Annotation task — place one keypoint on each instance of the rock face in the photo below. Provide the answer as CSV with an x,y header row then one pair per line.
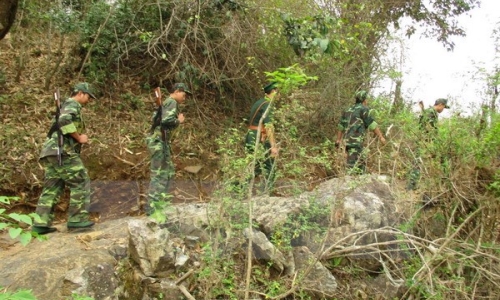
x,y
151,248
316,278
265,250
68,263
89,263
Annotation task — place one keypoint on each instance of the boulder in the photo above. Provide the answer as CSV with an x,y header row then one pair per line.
x,y
66,263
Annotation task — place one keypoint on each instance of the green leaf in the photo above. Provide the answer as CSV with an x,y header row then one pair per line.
x,y
21,218
2,210
3,225
26,219
25,238
15,216
14,232
36,217
323,44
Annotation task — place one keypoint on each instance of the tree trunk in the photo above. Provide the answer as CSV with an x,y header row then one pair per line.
x,y
8,10
398,97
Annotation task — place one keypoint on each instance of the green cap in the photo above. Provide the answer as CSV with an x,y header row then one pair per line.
x,y
361,96
270,87
182,87
84,87
442,101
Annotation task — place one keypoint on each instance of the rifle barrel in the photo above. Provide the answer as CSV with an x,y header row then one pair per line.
x,y
60,138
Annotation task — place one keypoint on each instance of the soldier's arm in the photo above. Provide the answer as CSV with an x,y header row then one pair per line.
x,y
378,133
372,125
169,115
340,134
68,113
80,138
272,140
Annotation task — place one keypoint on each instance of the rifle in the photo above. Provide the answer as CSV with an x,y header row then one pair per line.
x,y
60,138
421,105
157,118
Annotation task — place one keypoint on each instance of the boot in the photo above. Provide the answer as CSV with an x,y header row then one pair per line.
x,y
43,229
84,224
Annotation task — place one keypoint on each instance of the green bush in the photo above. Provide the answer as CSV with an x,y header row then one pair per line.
x,y
15,223
18,295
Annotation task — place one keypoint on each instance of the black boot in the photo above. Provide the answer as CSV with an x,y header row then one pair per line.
x,y
43,229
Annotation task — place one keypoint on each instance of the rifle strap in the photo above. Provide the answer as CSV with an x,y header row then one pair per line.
x,y
156,119
53,129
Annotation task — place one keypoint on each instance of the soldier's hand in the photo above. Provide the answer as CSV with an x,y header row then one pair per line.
x,y
274,151
382,139
83,139
181,118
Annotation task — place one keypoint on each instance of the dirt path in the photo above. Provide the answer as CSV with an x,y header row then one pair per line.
x,y
117,199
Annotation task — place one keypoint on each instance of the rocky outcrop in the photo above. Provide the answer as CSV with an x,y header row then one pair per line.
x,y
162,256
67,263
151,248
313,276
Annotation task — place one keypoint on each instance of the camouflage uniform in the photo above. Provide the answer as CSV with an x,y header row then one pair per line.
x,y
428,121
71,173
355,121
265,165
428,125
162,170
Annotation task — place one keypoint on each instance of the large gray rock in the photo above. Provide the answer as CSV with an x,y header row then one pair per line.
x,y
86,263
270,212
151,248
263,249
316,279
82,263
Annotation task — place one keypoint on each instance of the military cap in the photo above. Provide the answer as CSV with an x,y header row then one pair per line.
x,y
361,96
270,87
84,87
182,87
442,101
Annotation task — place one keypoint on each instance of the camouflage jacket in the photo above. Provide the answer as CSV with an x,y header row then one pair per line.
x,y
354,122
70,121
428,120
169,115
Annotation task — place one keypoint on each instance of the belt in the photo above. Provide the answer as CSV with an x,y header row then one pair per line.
x,y
252,127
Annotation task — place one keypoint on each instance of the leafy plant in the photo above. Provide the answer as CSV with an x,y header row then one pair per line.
x,y
12,222
79,297
311,224
290,78
17,295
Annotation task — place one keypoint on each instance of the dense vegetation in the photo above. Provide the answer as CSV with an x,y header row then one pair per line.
x,y
226,50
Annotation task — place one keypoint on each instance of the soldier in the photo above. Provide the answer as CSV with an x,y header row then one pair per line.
x,y
67,169
429,118
162,170
267,138
352,126
428,124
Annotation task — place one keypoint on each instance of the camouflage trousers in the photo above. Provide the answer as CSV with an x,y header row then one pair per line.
x,y
162,172
356,160
415,172
413,176
266,164
72,174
